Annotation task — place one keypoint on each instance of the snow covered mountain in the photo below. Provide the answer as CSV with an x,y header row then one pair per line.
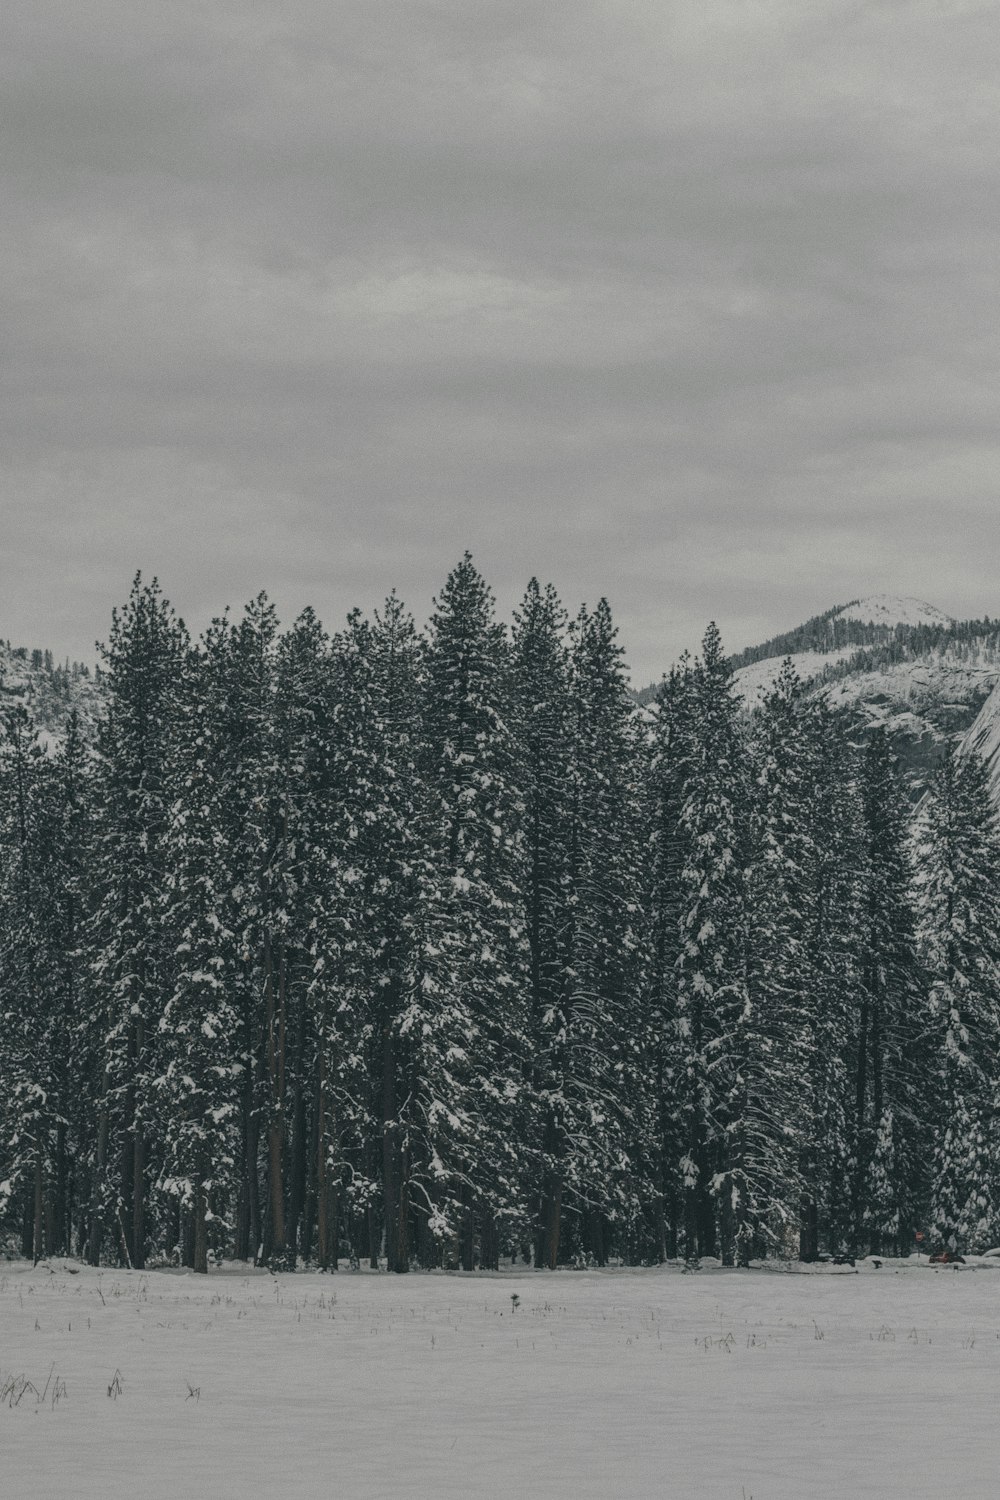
x,y
883,614
895,662
757,678
892,610
49,691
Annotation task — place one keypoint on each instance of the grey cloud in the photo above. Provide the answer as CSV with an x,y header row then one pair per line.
x,y
690,305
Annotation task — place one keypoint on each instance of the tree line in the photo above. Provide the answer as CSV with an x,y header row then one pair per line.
x,y
426,947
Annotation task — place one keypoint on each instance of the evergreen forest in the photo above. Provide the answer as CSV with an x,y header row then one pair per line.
x,y
424,946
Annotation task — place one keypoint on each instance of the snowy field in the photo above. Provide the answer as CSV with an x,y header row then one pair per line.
x,y
777,1384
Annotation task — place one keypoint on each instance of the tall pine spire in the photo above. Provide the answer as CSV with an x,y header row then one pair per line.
x,y
957,850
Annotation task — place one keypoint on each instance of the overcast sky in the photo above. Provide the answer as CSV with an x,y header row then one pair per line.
x,y
690,303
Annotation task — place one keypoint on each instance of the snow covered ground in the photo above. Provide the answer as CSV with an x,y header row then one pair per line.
x,y
721,1384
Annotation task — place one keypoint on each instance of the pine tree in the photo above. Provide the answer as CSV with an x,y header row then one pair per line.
x,y
44,816
541,674
780,892
396,849
195,1091
280,715
957,874
30,1101
712,997
333,1131
301,787
468,1021
596,1057
250,773
328,691
66,900
890,1107
669,767
831,928
142,665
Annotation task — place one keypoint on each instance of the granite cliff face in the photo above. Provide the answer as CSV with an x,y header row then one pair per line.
x,y
886,661
983,738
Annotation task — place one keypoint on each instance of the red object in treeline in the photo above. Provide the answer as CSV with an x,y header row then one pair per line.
x,y
919,1236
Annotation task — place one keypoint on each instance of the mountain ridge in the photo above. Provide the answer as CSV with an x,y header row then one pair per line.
x,y
893,662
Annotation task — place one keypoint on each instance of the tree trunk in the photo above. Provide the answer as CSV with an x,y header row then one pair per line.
x,y
60,1207
326,1226
467,1239
550,1209
199,1257
127,1195
705,1205
878,1095
395,1188
595,1234
489,1243
670,1214
553,1222
326,1218
134,1165
138,1246
690,1223
373,1237
174,1241
809,1215
300,1138
428,1248
878,1066
38,1214
307,1231
248,1218
728,1232
861,1134
275,1127
96,1234
187,1238
28,1220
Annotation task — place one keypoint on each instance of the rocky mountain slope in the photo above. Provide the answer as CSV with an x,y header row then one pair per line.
x,y
890,661
906,667
984,739
48,690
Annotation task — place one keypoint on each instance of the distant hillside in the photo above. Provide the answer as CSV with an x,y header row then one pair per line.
x,y
954,663
874,621
49,690
888,661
